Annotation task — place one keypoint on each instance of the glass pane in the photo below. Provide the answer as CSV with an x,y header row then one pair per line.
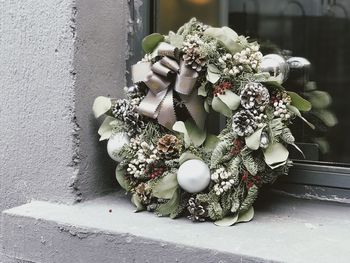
x,y
320,32
317,30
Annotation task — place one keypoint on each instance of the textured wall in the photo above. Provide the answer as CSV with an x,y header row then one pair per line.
x,y
37,100
101,51
55,57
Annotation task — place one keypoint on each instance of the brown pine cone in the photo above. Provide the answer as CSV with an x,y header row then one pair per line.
x,y
168,146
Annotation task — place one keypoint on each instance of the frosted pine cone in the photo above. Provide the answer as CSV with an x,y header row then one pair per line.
x,y
168,146
192,55
197,211
243,123
255,95
125,111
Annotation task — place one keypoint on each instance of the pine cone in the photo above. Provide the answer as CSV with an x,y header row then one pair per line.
x,y
243,123
197,211
254,95
144,192
125,111
168,146
192,56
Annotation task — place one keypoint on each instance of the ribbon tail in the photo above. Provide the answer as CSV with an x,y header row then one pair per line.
x,y
150,105
194,105
167,116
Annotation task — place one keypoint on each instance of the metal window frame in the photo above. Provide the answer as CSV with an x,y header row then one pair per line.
x,y
322,177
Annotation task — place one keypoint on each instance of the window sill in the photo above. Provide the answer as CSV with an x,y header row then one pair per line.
x,y
284,229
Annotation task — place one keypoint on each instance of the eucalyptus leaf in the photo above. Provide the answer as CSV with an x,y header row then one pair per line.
x,y
299,102
166,186
211,142
101,106
197,135
106,128
192,134
276,155
202,90
297,113
150,42
226,36
227,221
219,106
187,156
213,74
232,100
120,175
253,141
170,206
246,216
135,199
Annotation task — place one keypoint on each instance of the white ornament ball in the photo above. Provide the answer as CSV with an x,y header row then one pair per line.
x,y
193,176
115,144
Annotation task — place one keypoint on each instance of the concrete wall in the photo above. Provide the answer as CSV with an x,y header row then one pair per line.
x,y
55,58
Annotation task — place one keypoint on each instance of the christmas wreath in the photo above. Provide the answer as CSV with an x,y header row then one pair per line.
x,y
167,160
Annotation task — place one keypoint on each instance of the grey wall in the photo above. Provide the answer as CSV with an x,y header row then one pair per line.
x,y
55,58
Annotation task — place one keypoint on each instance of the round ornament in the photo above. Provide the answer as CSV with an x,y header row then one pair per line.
x,y
276,66
115,144
193,176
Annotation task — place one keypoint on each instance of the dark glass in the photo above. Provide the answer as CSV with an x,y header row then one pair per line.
x,y
319,31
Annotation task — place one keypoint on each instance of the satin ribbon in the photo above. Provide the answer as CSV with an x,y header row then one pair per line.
x,y
162,78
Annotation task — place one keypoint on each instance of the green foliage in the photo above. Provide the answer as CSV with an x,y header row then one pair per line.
x,y
249,199
299,102
219,153
152,132
287,136
166,186
150,42
171,206
215,211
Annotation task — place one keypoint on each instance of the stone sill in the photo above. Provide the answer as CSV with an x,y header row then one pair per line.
x,y
284,230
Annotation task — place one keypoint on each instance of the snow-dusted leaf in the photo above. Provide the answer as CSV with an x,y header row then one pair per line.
x,y
105,130
227,221
253,141
213,74
192,134
226,36
101,106
232,100
120,175
219,106
166,186
135,199
276,155
246,216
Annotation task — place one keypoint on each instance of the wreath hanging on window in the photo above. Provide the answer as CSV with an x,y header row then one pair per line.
x,y
167,160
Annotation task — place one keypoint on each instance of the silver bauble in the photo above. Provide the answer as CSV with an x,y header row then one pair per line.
x,y
264,140
193,176
276,66
115,144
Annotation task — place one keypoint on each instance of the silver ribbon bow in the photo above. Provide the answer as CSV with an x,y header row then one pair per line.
x,y
159,78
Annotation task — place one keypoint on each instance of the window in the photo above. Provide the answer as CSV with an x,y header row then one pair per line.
x,y
317,30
